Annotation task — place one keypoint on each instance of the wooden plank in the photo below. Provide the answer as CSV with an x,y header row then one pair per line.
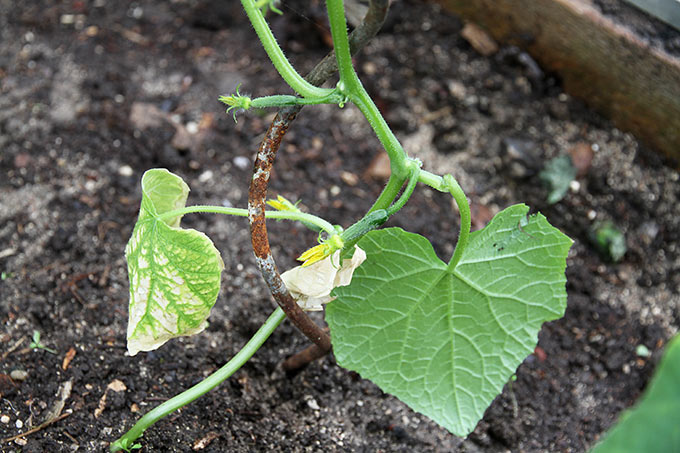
x,y
599,61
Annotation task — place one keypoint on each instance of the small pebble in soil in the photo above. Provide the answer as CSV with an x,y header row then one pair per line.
x,y
126,171
574,186
4,419
520,157
313,405
241,162
18,375
19,424
205,176
642,351
192,127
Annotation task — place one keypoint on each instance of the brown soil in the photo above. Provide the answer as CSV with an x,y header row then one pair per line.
x,y
72,74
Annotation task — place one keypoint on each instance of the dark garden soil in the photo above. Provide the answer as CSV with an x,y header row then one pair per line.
x,y
93,93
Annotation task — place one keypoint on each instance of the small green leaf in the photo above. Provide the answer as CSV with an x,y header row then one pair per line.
x,y
443,340
654,425
608,240
174,273
557,174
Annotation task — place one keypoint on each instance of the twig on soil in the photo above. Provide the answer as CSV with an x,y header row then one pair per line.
x,y
73,439
12,348
7,252
258,192
37,428
54,415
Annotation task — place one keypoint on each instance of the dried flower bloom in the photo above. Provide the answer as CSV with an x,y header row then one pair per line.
x,y
311,285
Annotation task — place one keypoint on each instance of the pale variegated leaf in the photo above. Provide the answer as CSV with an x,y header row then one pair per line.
x,y
174,273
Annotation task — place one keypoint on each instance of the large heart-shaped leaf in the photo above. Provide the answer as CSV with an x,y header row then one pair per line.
x,y
174,273
445,339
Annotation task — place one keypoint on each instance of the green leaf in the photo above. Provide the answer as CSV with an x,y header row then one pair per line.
x,y
608,240
557,174
445,340
654,425
174,273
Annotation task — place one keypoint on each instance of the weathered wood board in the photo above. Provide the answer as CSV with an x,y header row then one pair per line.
x,y
599,61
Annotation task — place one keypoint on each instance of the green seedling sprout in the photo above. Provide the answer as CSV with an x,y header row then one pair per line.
x,y
443,336
37,344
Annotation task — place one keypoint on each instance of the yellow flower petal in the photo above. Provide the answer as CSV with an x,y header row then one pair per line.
x,y
281,204
277,205
316,253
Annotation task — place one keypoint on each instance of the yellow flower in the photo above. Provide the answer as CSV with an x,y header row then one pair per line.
x,y
321,251
236,102
281,204
316,253
311,286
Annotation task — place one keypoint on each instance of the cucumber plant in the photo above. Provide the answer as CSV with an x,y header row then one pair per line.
x,y
442,336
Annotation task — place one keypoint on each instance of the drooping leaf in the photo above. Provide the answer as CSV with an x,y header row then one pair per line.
x,y
442,340
654,424
174,273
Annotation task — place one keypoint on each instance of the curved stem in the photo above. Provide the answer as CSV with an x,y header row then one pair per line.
x,y
351,86
432,180
126,440
465,219
389,192
449,184
281,63
240,212
408,191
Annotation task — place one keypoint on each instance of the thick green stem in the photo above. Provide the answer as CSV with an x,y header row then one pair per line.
x,y
281,63
351,86
389,193
240,212
126,441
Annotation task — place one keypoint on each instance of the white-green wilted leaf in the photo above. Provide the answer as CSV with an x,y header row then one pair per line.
x,y
174,273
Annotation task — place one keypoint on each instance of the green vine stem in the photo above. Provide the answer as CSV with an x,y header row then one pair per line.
x,y
126,441
351,86
400,163
241,212
465,219
408,191
281,63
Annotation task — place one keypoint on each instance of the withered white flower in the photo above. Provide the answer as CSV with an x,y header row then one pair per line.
x,y
311,285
